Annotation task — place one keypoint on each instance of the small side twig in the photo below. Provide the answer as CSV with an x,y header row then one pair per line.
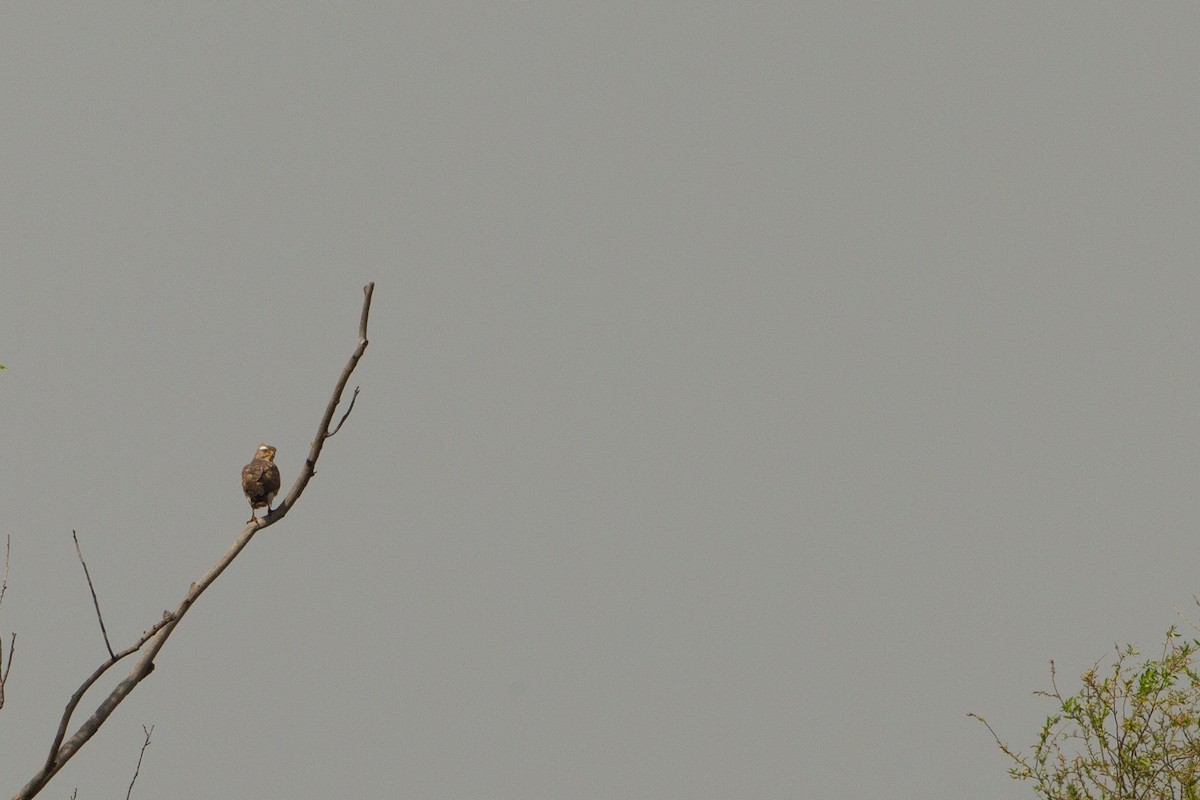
x,y
4,579
338,427
5,668
95,602
138,768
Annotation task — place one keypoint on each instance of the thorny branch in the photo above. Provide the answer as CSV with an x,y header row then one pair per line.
x,y
95,601
62,751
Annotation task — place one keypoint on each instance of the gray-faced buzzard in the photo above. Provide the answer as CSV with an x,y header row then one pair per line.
x,y
260,479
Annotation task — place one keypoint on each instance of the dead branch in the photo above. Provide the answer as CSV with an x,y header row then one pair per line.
x,y
73,703
314,452
95,601
62,751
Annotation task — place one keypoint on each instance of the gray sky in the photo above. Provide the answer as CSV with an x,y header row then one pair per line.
x,y
753,390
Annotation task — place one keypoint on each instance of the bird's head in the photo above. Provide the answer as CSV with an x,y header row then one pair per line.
x,y
265,452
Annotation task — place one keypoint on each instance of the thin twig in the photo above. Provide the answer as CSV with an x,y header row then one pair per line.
x,y
63,751
338,427
95,602
4,670
138,768
4,579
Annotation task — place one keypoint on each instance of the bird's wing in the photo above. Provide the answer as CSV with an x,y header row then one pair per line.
x,y
270,478
252,475
260,477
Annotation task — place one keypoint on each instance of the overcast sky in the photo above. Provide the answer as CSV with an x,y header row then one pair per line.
x,y
753,389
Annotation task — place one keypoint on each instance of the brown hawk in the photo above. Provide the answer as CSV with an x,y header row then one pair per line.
x,y
260,479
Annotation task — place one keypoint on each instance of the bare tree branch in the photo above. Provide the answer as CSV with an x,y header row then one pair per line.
x,y
95,676
95,602
62,751
138,768
310,464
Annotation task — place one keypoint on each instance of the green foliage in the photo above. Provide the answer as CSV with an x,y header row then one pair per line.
x,y
1131,732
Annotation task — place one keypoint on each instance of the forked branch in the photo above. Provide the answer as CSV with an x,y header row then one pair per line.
x,y
62,750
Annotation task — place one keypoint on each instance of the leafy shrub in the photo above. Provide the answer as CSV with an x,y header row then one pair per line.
x,y
1131,732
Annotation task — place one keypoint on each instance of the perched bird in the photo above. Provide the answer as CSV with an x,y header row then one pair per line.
x,y
260,479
